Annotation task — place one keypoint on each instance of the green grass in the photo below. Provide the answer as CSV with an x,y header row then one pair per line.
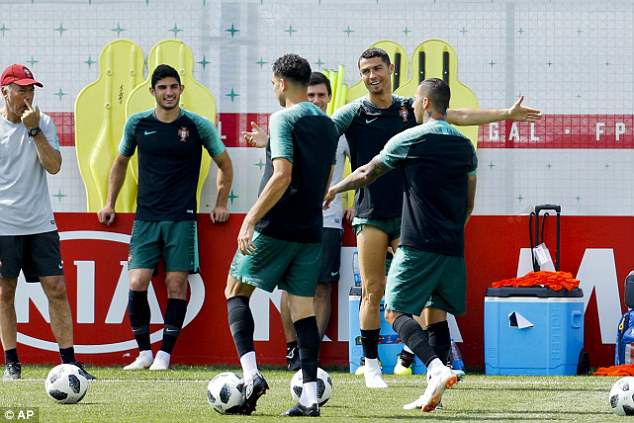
x,y
179,395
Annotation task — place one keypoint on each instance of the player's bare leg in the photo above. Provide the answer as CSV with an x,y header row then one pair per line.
x,y
323,292
372,244
292,353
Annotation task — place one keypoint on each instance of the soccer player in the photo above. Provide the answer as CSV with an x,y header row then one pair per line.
x,y
29,148
170,141
368,124
320,94
438,165
279,243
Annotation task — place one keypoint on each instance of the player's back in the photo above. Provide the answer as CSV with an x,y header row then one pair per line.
x,y
305,136
436,160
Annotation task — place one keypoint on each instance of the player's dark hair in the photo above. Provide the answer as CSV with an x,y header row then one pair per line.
x,y
294,68
317,78
164,71
374,52
438,92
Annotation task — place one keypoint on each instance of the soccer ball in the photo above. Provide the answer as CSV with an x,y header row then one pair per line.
x,y
622,397
225,393
324,386
66,384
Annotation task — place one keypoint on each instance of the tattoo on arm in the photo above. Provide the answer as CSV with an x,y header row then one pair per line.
x,y
364,175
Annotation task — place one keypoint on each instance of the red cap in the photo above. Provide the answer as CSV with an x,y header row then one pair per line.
x,y
19,75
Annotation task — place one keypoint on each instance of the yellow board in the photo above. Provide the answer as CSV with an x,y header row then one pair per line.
x,y
333,77
397,57
437,59
195,98
100,118
341,90
338,88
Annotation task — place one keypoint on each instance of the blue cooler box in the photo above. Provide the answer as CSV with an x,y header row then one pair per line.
x,y
532,331
390,345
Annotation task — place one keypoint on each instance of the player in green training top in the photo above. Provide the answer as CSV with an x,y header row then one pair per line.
x,y
170,141
368,123
279,243
438,165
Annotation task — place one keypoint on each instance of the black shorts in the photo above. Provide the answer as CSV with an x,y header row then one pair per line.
x,y
330,255
36,255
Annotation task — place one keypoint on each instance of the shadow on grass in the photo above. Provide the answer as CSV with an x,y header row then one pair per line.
x,y
525,412
478,415
439,417
528,388
475,416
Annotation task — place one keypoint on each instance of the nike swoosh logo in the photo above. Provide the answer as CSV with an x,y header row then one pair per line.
x,y
170,330
146,133
368,121
334,273
60,266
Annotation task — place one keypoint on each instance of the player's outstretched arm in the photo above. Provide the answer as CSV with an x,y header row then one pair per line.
x,y
224,179
362,176
115,181
271,194
517,112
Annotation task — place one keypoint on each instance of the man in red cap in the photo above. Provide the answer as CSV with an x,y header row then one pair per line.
x,y
29,241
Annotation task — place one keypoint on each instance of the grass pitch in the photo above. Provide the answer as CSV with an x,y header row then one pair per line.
x,y
179,395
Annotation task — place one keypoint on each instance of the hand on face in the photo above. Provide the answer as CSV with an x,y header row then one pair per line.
x,y
31,116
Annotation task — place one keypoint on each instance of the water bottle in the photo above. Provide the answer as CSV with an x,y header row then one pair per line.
x,y
629,290
455,358
355,269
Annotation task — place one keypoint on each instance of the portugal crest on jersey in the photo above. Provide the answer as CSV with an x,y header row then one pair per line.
x,y
183,134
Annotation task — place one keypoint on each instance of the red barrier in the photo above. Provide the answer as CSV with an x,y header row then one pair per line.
x,y
95,263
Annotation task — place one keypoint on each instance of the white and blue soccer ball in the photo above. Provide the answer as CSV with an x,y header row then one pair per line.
x,y
66,384
622,397
225,393
324,386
